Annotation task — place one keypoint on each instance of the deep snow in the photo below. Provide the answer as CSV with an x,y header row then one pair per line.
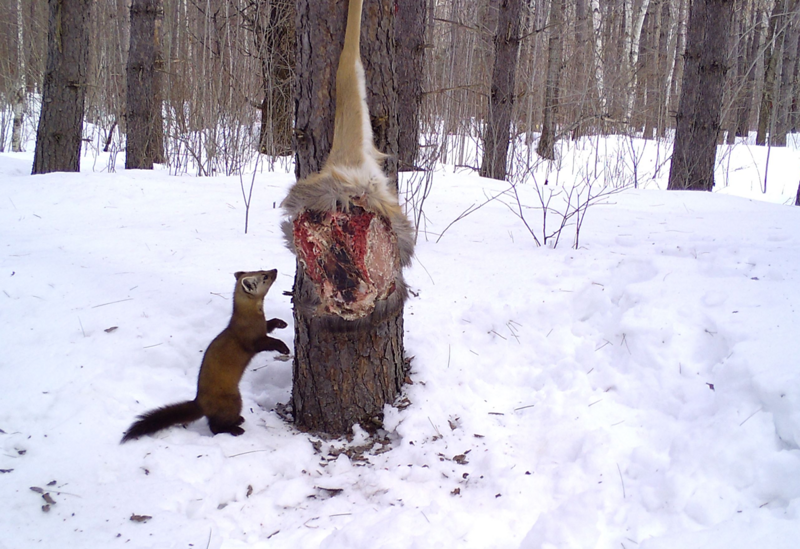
x,y
641,391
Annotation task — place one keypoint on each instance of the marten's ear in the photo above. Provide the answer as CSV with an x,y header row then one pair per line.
x,y
238,274
249,284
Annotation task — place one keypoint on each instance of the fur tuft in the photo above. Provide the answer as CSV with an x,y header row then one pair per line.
x,y
161,418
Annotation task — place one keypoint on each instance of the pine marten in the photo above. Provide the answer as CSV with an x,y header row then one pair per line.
x,y
344,222
223,364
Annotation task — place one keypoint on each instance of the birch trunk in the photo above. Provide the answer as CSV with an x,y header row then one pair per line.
x,y
18,97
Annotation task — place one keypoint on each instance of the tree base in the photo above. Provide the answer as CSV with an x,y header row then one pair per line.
x,y
344,377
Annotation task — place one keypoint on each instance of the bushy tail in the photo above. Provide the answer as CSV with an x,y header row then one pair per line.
x,y
161,418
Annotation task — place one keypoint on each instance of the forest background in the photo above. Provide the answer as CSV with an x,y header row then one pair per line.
x,y
225,74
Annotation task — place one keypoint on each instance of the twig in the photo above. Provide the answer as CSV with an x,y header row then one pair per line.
x,y
751,415
472,209
622,481
112,302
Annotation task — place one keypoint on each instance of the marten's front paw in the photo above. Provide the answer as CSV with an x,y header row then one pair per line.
x,y
275,323
282,348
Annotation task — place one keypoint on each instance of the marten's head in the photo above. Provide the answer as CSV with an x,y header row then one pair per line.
x,y
252,286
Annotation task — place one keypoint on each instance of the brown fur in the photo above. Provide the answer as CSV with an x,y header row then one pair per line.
x,y
352,174
224,363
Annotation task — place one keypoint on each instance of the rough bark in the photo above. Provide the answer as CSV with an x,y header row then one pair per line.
x,y
273,28
157,152
747,69
786,83
140,112
772,58
794,113
501,100
410,28
699,110
378,57
583,107
58,137
555,47
342,377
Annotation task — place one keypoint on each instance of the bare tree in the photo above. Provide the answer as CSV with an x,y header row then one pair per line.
x,y
778,23
272,24
18,100
141,105
410,27
699,111
751,35
501,99
58,138
555,49
785,87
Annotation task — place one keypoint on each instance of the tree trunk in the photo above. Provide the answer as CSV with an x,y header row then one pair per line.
x,y
378,57
341,376
18,96
273,32
786,85
141,106
599,60
501,101
584,107
772,58
633,40
410,28
794,114
58,137
156,151
555,47
748,72
699,110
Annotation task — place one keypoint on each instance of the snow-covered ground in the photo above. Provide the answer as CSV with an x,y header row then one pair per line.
x,y
640,391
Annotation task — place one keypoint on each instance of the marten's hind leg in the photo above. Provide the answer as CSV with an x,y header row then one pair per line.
x,y
225,415
218,427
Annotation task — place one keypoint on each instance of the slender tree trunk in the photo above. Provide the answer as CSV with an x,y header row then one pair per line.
x,y
698,119
632,60
786,85
140,114
794,114
501,100
58,138
748,70
599,61
410,28
273,32
772,58
341,377
653,98
546,146
582,112
157,152
18,97
677,61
